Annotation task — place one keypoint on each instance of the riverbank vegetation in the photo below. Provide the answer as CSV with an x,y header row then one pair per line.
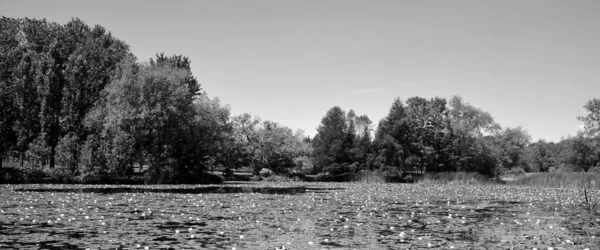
x,y
76,106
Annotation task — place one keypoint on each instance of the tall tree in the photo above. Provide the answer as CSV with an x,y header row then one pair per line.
x,y
329,142
393,137
468,125
152,106
592,119
512,143
542,156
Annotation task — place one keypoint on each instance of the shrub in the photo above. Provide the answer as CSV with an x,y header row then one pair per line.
x,y
297,175
276,178
59,174
562,168
337,169
11,175
192,177
265,172
595,170
516,171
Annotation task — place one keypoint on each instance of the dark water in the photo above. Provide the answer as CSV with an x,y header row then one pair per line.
x,y
186,190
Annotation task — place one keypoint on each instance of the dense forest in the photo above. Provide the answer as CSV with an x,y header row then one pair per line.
x,y
77,106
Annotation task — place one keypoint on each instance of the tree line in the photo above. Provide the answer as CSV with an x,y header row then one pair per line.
x,y
77,106
448,135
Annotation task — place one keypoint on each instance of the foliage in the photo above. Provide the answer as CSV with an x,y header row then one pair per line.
x,y
76,105
269,145
76,102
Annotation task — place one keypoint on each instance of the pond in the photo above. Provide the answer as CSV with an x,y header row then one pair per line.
x,y
259,215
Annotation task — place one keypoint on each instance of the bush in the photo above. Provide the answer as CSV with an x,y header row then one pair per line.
x,y
562,168
277,178
594,170
11,175
338,169
265,172
237,177
59,174
297,175
516,171
200,178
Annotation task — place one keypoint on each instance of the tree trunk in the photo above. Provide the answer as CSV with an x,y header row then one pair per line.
x,y
1,170
52,153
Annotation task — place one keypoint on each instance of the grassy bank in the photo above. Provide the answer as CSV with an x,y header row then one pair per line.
x,y
561,180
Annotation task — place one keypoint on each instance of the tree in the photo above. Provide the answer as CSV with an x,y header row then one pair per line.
x,y
9,54
542,156
151,108
592,119
512,143
468,125
587,143
393,138
247,137
583,154
363,146
331,141
429,129
213,131
268,144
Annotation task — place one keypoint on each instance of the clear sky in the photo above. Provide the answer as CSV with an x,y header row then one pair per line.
x,y
529,63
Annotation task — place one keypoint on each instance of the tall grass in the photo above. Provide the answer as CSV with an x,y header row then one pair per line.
x,y
368,177
460,178
561,180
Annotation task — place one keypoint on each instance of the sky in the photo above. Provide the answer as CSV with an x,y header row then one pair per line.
x,y
531,63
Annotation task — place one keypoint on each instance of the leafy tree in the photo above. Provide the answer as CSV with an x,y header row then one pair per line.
x,y
363,146
9,54
213,131
587,143
542,156
269,145
592,119
150,107
393,138
247,137
415,136
512,143
332,139
468,125
428,125
583,154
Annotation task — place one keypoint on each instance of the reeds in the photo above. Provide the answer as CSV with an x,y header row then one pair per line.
x,y
460,178
561,180
368,177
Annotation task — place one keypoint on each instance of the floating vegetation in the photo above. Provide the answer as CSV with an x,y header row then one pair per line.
x,y
294,216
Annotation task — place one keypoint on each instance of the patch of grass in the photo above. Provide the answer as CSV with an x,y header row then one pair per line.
x,y
369,177
461,178
561,180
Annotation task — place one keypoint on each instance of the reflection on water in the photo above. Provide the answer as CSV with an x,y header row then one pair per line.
x,y
184,190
